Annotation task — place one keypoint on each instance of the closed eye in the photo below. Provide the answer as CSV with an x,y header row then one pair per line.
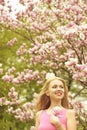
x,y
61,86
55,86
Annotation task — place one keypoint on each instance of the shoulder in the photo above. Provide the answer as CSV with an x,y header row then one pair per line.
x,y
70,113
38,114
37,120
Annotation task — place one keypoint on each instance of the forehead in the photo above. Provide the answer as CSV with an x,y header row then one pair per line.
x,y
56,82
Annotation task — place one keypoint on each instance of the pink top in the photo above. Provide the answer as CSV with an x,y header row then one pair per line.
x,y
45,120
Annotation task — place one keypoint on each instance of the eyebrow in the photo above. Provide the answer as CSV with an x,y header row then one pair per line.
x,y
57,85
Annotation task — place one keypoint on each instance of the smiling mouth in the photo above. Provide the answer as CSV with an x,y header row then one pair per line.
x,y
59,93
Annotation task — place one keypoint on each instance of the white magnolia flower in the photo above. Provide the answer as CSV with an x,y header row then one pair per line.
x,y
82,36
50,75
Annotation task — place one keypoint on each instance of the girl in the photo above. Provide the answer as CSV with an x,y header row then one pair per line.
x,y
53,111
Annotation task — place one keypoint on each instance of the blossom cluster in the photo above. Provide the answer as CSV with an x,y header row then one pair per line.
x,y
21,111
56,35
26,76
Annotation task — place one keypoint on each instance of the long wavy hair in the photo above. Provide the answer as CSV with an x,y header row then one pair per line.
x,y
43,101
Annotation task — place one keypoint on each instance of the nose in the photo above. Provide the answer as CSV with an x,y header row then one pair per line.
x,y
59,88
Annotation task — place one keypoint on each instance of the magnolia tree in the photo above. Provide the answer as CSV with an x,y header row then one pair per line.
x,y
55,32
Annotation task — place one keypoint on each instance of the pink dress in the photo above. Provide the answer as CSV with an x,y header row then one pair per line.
x,y
45,120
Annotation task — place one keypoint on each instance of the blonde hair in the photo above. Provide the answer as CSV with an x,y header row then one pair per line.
x,y
44,100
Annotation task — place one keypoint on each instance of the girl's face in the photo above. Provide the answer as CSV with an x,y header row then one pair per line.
x,y
56,89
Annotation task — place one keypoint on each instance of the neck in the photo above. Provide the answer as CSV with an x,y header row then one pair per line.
x,y
54,104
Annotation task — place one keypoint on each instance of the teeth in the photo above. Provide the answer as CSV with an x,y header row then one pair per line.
x,y
58,93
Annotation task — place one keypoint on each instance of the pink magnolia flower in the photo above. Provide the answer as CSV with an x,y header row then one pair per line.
x,y
11,70
85,71
13,94
28,77
79,105
71,62
7,78
15,81
76,76
56,111
26,106
12,42
80,67
36,74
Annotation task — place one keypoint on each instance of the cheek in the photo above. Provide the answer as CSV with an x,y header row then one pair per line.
x,y
63,90
49,92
